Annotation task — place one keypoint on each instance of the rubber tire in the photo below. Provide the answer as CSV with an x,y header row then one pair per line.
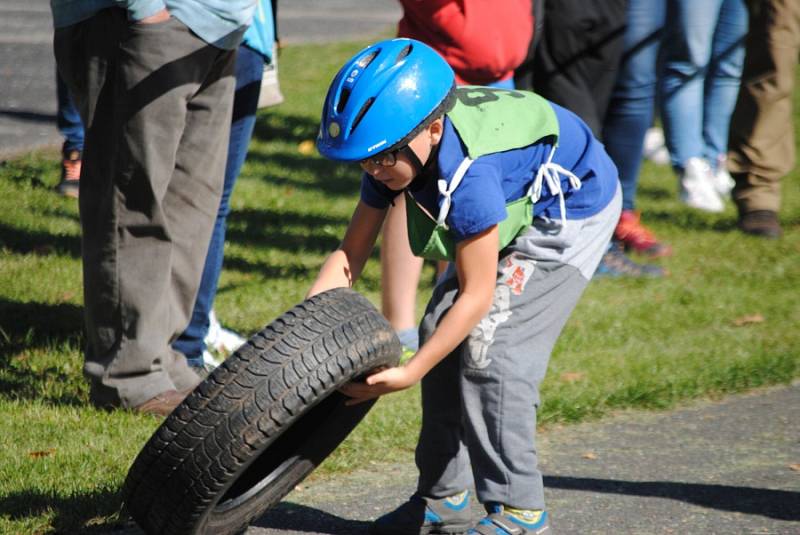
x,y
262,421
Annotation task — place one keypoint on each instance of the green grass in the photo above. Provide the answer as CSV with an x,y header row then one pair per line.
x,y
630,343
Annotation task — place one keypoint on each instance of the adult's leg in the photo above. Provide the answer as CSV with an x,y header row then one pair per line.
x,y
249,70
723,77
687,52
630,111
68,119
762,143
153,99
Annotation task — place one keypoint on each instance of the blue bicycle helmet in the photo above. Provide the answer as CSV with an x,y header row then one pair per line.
x,y
383,97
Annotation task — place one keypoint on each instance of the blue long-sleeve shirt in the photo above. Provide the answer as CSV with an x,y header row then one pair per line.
x,y
218,22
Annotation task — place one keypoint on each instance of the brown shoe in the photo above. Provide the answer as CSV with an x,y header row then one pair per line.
x,y
762,223
164,403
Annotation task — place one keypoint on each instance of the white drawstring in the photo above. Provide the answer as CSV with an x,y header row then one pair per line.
x,y
548,172
551,173
447,193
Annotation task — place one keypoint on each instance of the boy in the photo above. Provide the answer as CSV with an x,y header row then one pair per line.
x,y
521,198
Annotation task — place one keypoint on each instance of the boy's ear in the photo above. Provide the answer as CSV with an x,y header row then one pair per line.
x,y
435,130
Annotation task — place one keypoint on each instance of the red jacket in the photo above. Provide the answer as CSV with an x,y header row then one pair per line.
x,y
482,40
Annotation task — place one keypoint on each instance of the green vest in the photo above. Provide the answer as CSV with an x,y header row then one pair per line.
x,y
487,120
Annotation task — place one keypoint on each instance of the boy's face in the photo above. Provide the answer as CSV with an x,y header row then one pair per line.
x,y
398,176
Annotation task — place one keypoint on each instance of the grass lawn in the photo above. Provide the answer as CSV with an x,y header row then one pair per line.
x,y
725,320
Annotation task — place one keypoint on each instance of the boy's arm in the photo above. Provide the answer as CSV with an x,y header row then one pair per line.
x,y
476,265
344,265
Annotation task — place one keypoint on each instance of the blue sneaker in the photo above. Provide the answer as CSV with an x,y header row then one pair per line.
x,y
615,263
423,516
503,520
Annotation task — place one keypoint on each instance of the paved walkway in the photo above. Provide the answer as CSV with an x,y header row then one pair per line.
x,y
728,467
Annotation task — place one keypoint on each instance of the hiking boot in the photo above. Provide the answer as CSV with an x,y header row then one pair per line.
x,y
636,237
503,520
70,174
422,516
761,223
697,186
164,403
615,263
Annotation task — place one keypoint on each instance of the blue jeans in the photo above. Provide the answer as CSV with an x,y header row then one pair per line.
x,y
630,111
249,70
68,120
703,58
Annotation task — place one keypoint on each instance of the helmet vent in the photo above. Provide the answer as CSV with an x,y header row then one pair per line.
x,y
366,60
403,53
362,112
343,98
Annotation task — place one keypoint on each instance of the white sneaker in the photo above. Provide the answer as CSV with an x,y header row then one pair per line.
x,y
210,361
697,186
723,181
270,94
220,340
654,148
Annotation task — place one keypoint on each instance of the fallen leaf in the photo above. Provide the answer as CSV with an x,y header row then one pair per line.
x,y
589,455
306,147
748,319
795,467
572,377
42,453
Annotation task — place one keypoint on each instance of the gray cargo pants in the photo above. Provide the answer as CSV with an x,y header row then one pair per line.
x,y
156,104
480,402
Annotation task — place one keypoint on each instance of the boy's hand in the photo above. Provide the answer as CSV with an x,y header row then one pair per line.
x,y
384,382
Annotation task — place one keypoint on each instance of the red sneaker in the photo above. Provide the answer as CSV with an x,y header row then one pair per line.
x,y
637,237
70,174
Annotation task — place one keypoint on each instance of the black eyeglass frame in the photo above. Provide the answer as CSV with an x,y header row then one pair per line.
x,y
386,158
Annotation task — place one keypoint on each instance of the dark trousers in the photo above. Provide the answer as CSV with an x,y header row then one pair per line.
x,y
578,55
156,104
249,71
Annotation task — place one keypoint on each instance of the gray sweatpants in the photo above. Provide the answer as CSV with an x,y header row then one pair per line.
x,y
156,103
480,402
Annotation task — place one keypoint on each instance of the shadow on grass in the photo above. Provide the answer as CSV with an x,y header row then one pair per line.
x,y
332,178
91,513
288,231
288,516
32,326
777,504
289,128
38,242
38,325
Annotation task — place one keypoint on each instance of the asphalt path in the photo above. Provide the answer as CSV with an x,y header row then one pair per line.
x,y
724,467
27,67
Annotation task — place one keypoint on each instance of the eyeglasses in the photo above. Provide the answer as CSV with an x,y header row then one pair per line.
x,y
384,159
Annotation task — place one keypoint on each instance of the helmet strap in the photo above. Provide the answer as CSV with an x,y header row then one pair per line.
x,y
409,153
424,172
